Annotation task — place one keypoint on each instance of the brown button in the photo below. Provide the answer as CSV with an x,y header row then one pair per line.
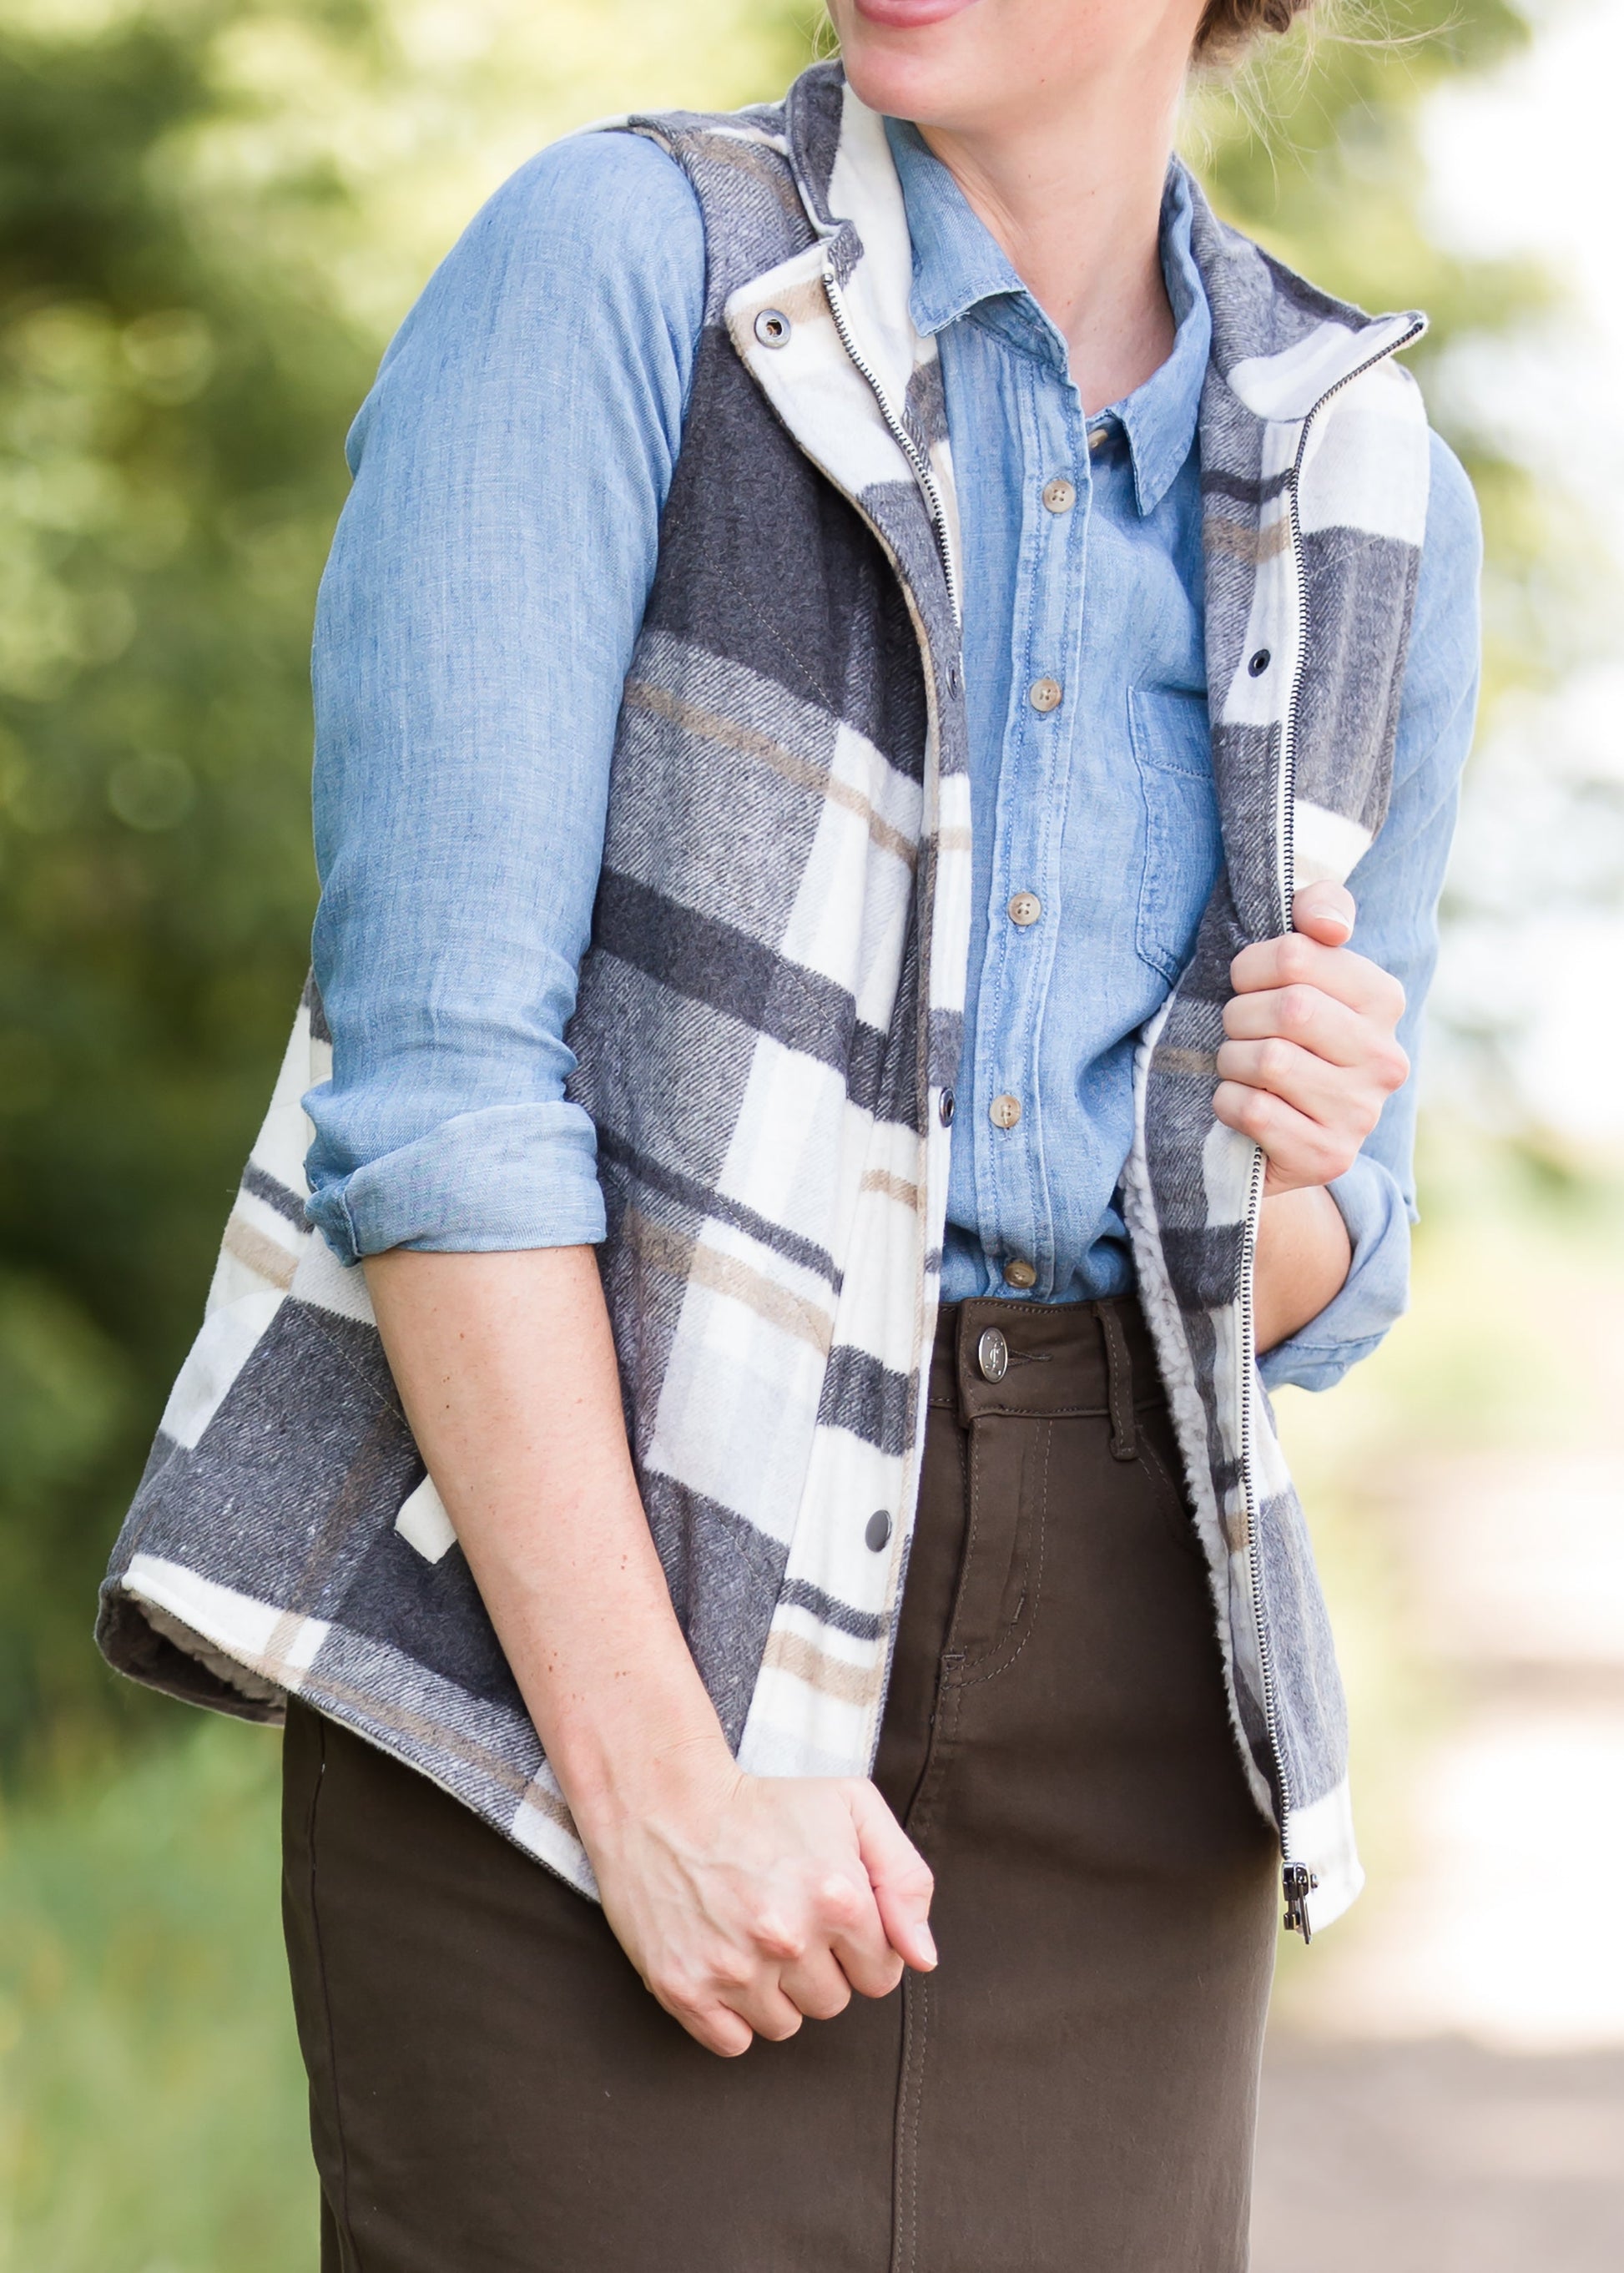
x,y
1044,694
1060,495
1098,437
1025,909
1017,1273
1005,1112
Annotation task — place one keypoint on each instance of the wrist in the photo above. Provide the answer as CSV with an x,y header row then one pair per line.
x,y
660,1766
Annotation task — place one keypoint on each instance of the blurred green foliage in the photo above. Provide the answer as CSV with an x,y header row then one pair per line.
x,y
172,397
152,2103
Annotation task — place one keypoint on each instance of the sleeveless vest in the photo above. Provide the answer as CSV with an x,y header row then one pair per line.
x,y
767,1025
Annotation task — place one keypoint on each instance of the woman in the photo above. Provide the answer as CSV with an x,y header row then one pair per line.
x,y
860,661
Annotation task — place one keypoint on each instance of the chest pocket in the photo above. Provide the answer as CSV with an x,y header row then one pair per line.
x,y
1172,746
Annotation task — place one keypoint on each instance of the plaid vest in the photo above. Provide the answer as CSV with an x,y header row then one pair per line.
x,y
769,1017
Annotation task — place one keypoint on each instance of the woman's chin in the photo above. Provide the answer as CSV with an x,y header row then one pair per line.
x,y
902,56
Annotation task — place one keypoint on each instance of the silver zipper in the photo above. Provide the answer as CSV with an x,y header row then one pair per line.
x,y
921,464
1298,1881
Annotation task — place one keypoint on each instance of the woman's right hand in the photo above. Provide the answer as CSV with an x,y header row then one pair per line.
x,y
748,1903
745,1903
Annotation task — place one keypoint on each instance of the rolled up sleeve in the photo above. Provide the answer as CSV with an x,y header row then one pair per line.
x,y
475,624
1396,887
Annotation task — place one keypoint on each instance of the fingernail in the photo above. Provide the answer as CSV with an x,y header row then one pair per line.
x,y
926,1946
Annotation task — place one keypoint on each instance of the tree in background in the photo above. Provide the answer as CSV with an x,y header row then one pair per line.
x,y
211,214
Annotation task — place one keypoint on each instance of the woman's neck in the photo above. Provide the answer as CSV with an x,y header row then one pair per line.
x,y
1075,200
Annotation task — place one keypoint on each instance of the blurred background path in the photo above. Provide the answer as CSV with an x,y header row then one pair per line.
x,y
1445,2086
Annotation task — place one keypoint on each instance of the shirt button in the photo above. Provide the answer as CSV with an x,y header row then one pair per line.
x,y
1005,1112
1098,437
1059,495
1017,1273
1025,909
876,1531
1045,693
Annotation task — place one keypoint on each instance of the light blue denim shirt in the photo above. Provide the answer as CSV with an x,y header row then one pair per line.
x,y
475,625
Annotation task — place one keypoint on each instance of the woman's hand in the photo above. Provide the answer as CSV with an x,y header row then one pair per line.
x,y
748,1903
1311,1053
744,1901
1311,1056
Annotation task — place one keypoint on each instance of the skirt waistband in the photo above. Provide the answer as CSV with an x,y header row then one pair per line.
x,y
1052,1360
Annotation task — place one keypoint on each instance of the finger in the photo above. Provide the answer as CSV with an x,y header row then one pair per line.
x,y
715,2027
1303,1015
1299,1150
764,2008
850,1915
1326,911
816,1986
898,1874
1296,961
1346,1100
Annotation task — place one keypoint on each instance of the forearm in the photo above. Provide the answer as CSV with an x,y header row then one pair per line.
x,y
506,1369
1304,1258
744,1903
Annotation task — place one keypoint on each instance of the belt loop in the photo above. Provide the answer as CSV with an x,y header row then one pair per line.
x,y
1119,1379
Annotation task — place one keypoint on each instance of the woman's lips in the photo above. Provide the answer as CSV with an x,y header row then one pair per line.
x,y
910,15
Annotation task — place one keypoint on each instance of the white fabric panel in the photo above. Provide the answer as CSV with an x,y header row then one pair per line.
x,y
850,918
286,1134
1288,384
423,1524
322,1281
1324,845
792,1144
1322,1838
1368,464
220,1351
1226,1169
811,381
235,1623
863,184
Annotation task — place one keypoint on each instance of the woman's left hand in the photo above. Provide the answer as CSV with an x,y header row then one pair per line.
x,y
1311,1054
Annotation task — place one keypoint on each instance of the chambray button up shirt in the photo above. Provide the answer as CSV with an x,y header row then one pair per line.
x,y
475,623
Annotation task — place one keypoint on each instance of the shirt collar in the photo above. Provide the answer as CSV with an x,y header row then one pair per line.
x,y
959,266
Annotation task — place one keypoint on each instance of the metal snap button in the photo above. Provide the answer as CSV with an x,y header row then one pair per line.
x,y
1259,663
955,680
992,1355
1019,1273
945,1104
876,1532
1060,495
1004,1112
772,327
1025,909
1045,695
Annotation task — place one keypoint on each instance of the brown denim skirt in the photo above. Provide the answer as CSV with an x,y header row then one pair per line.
x,y
493,2091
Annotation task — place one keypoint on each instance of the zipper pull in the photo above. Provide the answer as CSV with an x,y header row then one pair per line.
x,y
1299,1882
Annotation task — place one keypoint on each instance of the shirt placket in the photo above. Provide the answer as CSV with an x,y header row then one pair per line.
x,y
1034,772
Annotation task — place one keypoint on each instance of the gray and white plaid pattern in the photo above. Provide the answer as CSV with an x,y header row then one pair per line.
x,y
768,1015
